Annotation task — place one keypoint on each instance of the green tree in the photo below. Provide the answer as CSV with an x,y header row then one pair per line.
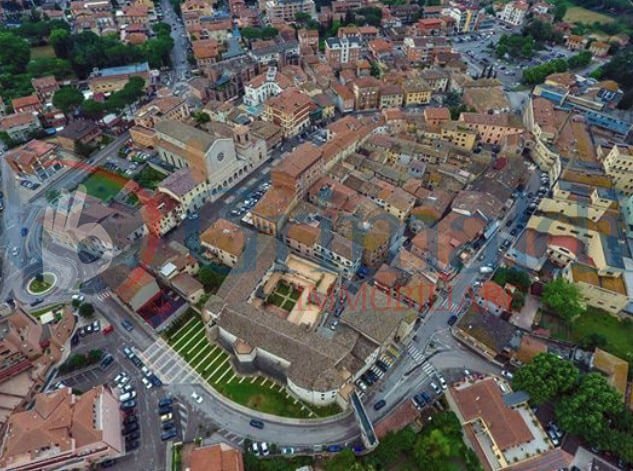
x,y
62,43
60,68
15,53
563,298
342,461
201,117
593,340
434,450
545,378
518,300
67,99
86,310
586,412
92,109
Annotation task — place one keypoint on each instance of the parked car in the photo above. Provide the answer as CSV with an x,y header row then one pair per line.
x,y
436,388
168,435
507,374
127,405
419,401
127,325
165,410
131,445
168,425
127,396
166,417
130,419
130,428
106,361
166,401
452,320
196,397
147,383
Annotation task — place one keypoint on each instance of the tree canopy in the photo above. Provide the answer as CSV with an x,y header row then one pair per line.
x,y
545,378
15,53
585,413
67,99
564,298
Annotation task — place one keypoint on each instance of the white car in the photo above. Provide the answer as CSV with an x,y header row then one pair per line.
x,y
146,382
507,374
264,448
78,297
146,371
442,382
127,396
196,397
126,388
436,388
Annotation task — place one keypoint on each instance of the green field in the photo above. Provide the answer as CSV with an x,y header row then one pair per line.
x,y
42,52
619,334
576,14
213,364
284,296
103,184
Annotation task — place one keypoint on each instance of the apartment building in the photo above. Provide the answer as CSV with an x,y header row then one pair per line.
x,y
618,164
466,16
32,159
20,126
366,93
346,50
285,11
223,241
62,431
205,51
78,132
290,110
31,104
514,12
491,128
45,87
416,92
299,169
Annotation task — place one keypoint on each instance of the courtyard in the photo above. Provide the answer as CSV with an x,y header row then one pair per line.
x,y
213,364
103,184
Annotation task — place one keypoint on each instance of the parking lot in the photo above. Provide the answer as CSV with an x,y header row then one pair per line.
x,y
150,453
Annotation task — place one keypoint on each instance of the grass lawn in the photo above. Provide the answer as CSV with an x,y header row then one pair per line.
x,y
42,52
38,286
103,184
576,14
283,289
288,305
213,364
276,299
619,334
149,177
39,313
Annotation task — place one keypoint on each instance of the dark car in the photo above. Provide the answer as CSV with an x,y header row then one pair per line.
x,y
24,231
131,445
382,365
133,436
131,404
129,428
168,435
166,401
155,380
74,340
380,404
169,425
130,419
165,410
127,325
106,362
367,379
37,301
334,448
452,320
426,397
106,464
257,423
419,400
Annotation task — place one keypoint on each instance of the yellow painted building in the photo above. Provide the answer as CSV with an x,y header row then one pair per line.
x,y
618,164
416,92
458,135
603,292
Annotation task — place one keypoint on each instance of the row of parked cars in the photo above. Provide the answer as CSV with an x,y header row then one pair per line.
x,y
127,397
251,200
167,415
377,371
149,379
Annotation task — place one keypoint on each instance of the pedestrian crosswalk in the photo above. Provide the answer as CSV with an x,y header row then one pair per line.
x,y
428,369
103,295
415,353
168,365
231,437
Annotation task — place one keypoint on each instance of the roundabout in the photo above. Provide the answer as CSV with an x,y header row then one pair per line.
x,y
41,284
